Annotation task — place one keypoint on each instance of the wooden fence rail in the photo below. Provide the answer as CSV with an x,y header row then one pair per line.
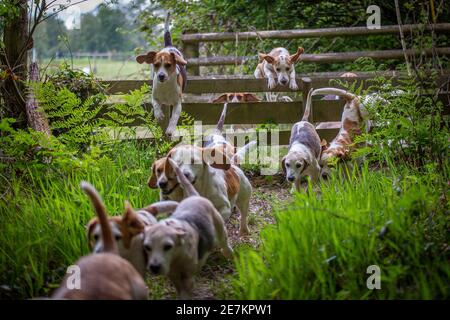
x,y
308,33
327,112
191,44
330,57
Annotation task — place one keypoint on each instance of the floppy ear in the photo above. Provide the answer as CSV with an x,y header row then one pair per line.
x,y
324,144
131,225
153,179
90,228
221,99
268,58
147,58
178,60
216,158
250,97
294,58
283,162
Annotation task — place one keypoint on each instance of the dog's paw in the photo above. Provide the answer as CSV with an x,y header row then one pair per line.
x,y
271,84
228,252
244,231
170,131
293,85
159,115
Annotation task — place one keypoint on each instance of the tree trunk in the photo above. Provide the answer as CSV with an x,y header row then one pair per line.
x,y
36,118
14,60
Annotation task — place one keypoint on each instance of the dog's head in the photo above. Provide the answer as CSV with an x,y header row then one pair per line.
x,y
162,242
236,97
193,160
282,64
124,228
164,63
163,177
293,165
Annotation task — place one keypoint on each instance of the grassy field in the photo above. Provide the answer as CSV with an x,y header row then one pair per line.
x,y
103,68
310,246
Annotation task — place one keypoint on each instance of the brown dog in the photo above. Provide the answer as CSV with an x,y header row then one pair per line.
x,y
236,97
104,275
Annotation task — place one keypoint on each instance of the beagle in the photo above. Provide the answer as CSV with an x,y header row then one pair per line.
x,y
169,78
179,245
236,97
353,119
303,156
128,231
104,275
278,66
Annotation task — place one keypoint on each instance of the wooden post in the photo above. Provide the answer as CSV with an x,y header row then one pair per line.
x,y
191,50
306,86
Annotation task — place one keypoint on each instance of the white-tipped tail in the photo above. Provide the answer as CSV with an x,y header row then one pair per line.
x,y
241,152
109,244
324,91
221,121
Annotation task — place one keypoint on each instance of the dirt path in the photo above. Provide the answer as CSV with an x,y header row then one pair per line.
x,y
213,280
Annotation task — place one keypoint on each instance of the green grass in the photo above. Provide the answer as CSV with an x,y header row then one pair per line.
x,y
105,69
321,246
43,217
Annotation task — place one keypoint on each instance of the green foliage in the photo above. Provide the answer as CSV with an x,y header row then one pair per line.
x,y
321,246
43,216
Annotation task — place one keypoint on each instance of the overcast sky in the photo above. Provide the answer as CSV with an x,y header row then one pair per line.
x,y
71,15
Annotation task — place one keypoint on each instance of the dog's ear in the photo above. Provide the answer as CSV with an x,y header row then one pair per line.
x,y
283,163
216,158
268,58
221,99
90,228
250,97
324,144
294,58
152,182
149,57
177,59
131,225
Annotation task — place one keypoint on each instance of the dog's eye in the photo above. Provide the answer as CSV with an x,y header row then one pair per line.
x,y
167,247
157,65
167,65
278,69
117,237
147,247
287,165
96,237
298,165
159,170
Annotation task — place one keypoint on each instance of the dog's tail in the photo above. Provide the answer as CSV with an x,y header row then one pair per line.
x,y
324,91
221,121
109,245
167,36
240,153
185,183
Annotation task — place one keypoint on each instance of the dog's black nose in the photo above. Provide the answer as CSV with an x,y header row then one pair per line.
x,y
161,77
155,268
284,82
162,185
291,179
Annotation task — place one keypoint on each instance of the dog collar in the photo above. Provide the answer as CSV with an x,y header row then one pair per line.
x,y
171,190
